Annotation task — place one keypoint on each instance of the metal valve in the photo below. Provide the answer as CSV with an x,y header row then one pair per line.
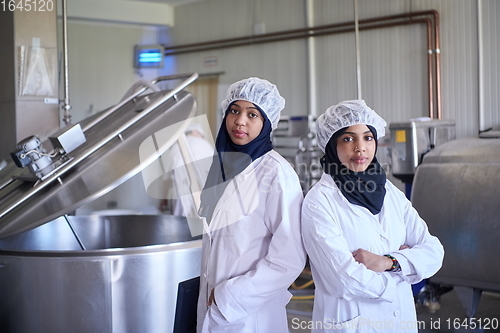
x,y
31,153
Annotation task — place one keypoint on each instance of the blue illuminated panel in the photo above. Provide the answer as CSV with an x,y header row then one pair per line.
x,y
148,56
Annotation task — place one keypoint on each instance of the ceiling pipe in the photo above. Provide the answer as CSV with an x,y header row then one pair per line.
x,y
365,24
436,50
430,76
293,33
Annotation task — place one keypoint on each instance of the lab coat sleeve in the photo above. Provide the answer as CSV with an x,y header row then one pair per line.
x,y
285,259
425,255
331,257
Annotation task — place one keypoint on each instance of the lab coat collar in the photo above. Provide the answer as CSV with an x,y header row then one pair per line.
x,y
376,222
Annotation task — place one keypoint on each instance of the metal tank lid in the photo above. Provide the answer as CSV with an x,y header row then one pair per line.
x,y
465,150
119,143
422,122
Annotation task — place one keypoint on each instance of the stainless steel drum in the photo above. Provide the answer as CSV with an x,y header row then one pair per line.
x,y
61,273
125,280
456,191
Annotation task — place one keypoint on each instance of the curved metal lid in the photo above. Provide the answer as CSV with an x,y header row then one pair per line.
x,y
120,142
465,150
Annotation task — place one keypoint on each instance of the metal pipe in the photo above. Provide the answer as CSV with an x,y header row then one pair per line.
x,y
356,38
311,54
343,28
429,68
99,144
482,126
131,97
287,34
371,23
66,107
438,63
437,49
428,23
251,39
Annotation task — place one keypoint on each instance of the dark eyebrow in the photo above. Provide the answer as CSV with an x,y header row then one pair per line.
x,y
352,133
252,107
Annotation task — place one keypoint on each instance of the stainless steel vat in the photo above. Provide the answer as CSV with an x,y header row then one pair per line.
x,y
411,140
124,281
62,273
456,191
116,149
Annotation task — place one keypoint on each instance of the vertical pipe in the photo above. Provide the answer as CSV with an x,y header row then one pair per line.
x,y
482,126
438,64
430,68
356,32
66,107
311,65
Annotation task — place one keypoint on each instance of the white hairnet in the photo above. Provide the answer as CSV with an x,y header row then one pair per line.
x,y
346,114
260,92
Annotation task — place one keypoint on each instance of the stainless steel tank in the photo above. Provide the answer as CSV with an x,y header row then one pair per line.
x,y
63,273
456,191
411,140
125,280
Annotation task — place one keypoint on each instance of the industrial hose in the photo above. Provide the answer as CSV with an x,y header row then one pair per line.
x,y
302,286
305,285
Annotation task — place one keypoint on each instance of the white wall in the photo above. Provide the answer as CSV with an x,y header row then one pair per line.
x,y
100,72
283,63
393,60
101,63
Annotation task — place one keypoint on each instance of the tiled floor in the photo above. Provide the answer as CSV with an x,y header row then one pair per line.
x,y
442,320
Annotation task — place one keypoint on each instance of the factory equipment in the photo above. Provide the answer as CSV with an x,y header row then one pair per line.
x,y
307,161
456,192
62,273
294,140
411,140
31,153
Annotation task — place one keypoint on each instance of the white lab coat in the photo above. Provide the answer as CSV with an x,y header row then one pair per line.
x,y
347,293
253,250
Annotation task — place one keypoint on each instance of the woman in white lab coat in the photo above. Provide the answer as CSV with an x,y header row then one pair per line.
x,y
365,241
252,248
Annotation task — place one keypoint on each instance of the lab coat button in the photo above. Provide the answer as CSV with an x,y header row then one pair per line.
x,y
396,313
338,325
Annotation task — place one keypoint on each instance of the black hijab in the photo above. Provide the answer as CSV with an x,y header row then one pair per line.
x,y
366,188
230,160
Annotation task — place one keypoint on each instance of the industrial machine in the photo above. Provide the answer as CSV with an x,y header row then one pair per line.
x,y
295,141
455,190
411,140
65,273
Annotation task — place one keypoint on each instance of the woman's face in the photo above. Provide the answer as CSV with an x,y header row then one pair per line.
x,y
243,122
356,148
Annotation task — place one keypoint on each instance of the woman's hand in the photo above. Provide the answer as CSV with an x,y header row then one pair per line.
x,y
211,299
372,261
